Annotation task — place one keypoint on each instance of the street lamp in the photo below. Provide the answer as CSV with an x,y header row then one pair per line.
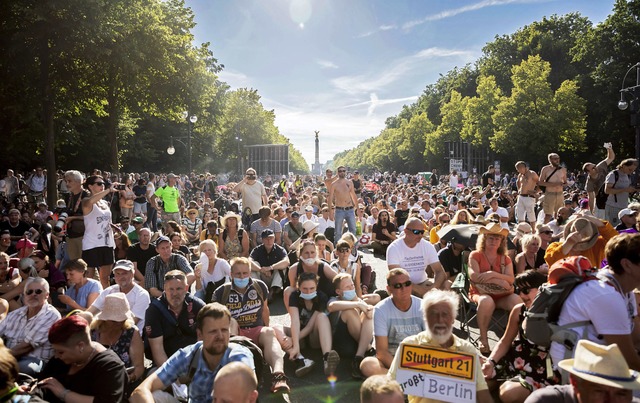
x,y
239,140
634,93
191,120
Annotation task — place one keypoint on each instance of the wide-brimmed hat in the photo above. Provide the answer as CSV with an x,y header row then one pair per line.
x,y
588,233
604,365
192,210
230,214
309,226
495,229
116,308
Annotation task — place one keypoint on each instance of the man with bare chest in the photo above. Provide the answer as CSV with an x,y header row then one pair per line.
x,y
553,177
527,180
343,197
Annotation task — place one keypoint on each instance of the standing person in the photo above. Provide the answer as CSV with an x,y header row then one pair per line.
x,y
98,243
526,182
140,252
75,221
343,197
126,198
37,186
596,175
618,186
488,177
357,184
11,186
414,254
254,195
328,179
140,201
553,178
171,201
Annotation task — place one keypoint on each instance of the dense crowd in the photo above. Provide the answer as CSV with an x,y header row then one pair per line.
x,y
142,286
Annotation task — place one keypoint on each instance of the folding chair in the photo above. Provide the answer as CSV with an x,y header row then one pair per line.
x,y
468,310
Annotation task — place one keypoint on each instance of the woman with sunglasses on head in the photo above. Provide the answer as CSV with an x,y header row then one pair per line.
x,y
383,233
491,275
529,258
98,243
353,268
310,263
514,358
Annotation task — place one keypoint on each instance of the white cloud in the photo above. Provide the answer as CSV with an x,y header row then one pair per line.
x,y
381,28
235,79
366,83
326,64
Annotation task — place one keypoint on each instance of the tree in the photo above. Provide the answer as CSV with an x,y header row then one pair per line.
x,y
478,127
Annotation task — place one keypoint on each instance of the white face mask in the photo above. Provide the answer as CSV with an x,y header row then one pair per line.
x,y
309,261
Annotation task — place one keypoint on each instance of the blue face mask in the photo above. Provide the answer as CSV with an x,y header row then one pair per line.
x,y
309,296
348,295
241,282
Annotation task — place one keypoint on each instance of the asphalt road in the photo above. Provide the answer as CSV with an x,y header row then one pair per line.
x,y
315,387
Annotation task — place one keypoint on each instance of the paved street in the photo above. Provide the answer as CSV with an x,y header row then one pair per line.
x,y
315,387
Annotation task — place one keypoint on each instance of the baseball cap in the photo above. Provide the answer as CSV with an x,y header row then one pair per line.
x,y
162,239
624,212
267,233
123,264
295,214
137,220
25,243
308,208
171,176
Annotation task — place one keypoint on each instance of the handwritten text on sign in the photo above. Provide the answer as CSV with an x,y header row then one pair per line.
x,y
436,373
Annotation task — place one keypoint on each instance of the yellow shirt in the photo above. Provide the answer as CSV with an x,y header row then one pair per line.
x,y
595,254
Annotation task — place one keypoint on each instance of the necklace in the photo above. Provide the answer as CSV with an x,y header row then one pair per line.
x,y
489,261
93,350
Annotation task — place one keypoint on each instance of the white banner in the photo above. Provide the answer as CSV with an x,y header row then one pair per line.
x,y
455,164
438,387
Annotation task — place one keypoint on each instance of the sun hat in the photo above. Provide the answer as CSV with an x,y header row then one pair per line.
x,y
495,229
588,232
308,208
309,226
230,214
116,308
192,210
604,365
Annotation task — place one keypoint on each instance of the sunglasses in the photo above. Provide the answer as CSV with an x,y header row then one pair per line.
x,y
38,291
341,170
547,232
398,286
519,291
99,183
417,231
343,250
180,277
445,221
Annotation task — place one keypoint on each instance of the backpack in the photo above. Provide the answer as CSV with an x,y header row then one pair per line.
x,y
258,359
601,196
541,319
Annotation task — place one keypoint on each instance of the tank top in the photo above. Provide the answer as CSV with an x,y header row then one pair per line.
x,y
324,284
97,228
232,247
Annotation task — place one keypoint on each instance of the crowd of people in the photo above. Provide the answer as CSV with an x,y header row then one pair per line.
x,y
142,286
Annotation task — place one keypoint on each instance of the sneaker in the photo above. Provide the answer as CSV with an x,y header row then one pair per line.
x,y
355,368
331,361
279,383
371,352
303,366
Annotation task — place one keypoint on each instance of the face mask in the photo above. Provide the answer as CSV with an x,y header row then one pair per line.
x,y
241,282
309,296
309,261
348,295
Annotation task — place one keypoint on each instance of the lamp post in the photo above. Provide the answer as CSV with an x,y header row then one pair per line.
x,y
238,141
634,93
191,120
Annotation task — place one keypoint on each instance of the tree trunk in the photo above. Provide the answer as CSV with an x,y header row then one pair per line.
x,y
47,121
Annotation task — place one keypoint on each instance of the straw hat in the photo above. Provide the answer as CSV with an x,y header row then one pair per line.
x,y
309,226
116,308
588,233
604,365
495,229
230,214
192,210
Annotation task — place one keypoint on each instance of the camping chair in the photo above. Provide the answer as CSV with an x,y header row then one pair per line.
x,y
467,312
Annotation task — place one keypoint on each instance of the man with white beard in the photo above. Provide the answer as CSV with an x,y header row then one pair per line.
x,y
440,309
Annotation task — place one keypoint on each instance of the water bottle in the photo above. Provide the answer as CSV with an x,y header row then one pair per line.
x,y
358,228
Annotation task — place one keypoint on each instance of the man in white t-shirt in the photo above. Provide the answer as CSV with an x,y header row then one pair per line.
x,y
414,254
253,192
426,212
609,304
501,211
137,296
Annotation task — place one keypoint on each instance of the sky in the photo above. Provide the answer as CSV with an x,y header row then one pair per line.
x,y
342,67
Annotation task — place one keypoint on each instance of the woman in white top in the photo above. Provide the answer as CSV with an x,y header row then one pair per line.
x,y
97,242
210,270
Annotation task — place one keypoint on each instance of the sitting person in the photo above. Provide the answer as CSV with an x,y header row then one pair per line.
x,y
353,268
9,276
514,358
351,317
529,258
211,272
82,370
381,389
310,263
114,327
82,291
25,329
236,382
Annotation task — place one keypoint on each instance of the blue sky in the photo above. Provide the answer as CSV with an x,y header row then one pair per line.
x,y
343,66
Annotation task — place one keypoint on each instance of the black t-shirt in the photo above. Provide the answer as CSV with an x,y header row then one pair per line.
x,y
136,254
18,230
357,185
377,229
174,336
485,178
451,263
401,216
141,194
319,304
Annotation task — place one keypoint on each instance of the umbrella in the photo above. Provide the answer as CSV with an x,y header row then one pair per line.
x,y
465,234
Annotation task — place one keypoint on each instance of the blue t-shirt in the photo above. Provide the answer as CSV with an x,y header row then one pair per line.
x,y
81,295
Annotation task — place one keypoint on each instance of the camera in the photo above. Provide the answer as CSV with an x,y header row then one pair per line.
x,y
62,220
120,187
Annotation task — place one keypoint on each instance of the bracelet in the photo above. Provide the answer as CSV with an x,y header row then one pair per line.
x,y
65,392
493,362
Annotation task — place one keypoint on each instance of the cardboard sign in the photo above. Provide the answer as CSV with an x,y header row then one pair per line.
x,y
438,374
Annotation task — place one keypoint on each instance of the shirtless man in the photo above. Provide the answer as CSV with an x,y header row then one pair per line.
x,y
553,177
343,197
328,179
527,180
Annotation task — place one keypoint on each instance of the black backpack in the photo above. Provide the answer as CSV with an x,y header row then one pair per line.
x,y
601,196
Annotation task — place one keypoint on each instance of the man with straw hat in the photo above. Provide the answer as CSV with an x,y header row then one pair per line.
x,y
597,374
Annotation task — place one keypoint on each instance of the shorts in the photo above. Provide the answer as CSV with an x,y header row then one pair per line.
x,y
552,202
525,211
251,332
100,256
139,208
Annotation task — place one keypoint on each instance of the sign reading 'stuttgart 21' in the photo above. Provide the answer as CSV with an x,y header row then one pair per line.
x,y
438,374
